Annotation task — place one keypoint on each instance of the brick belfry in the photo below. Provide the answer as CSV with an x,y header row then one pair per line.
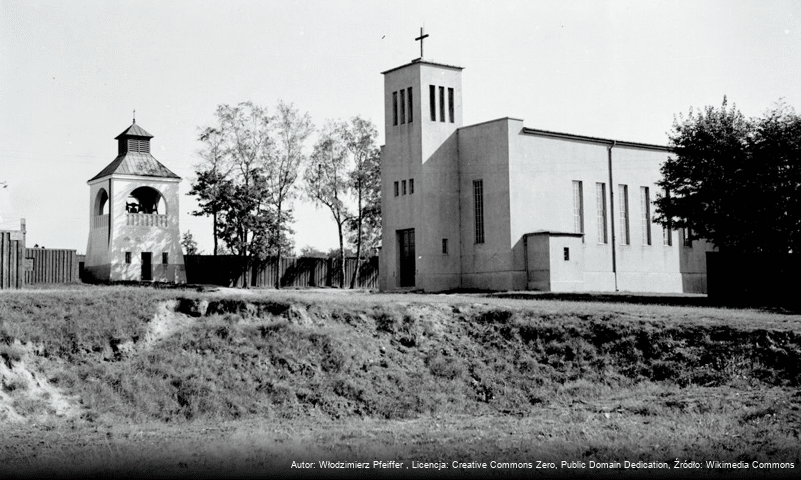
x,y
133,218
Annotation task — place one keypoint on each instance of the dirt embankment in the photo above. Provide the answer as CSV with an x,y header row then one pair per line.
x,y
230,358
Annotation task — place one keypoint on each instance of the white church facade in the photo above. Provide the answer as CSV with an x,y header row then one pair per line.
x,y
499,206
133,218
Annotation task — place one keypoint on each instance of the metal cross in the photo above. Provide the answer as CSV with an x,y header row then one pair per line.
x,y
420,38
134,116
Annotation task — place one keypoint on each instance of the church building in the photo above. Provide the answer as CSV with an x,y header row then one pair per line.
x,y
500,206
133,216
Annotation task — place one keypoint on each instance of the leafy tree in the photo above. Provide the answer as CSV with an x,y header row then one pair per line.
x,y
233,185
214,168
365,185
291,131
189,244
326,181
734,181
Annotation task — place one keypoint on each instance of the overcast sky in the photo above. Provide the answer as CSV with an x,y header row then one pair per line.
x,y
71,72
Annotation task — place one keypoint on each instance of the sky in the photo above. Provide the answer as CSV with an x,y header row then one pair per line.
x,y
72,72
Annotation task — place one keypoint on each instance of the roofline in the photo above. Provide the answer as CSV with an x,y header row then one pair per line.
x,y
584,138
554,234
491,121
124,176
420,61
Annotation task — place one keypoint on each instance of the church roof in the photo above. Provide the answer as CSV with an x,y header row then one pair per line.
x,y
420,61
136,163
134,131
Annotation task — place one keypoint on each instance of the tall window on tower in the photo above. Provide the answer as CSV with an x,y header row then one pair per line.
x,y
394,108
403,106
578,207
478,200
667,230
645,207
409,98
600,202
450,104
441,104
625,237
432,95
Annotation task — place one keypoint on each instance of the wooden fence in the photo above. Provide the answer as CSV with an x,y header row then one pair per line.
x,y
226,270
12,258
49,265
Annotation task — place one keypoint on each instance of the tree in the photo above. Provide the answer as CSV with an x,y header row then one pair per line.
x,y
291,131
734,181
359,137
233,186
215,168
189,244
326,181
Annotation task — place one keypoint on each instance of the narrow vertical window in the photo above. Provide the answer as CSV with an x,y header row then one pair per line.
x,y
396,189
625,236
567,254
127,257
687,236
411,186
403,187
600,202
444,246
402,106
409,99
478,201
450,104
394,108
667,230
441,104
578,207
645,208
432,92
165,258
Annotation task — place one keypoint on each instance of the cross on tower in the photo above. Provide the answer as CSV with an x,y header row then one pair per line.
x,y
134,116
420,38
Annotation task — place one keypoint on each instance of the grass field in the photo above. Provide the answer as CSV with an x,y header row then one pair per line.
x,y
115,380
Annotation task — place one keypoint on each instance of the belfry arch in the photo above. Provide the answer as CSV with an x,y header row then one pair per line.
x,y
146,200
101,203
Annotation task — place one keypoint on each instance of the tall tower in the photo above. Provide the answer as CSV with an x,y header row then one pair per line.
x,y
420,177
133,216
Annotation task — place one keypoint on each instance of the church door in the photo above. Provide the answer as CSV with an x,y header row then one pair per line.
x,y
147,266
406,250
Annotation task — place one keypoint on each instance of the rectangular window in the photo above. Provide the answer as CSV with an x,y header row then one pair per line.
x,y
396,189
444,246
409,99
687,237
450,104
165,258
600,202
394,108
645,207
403,106
411,186
441,104
403,187
478,201
127,257
567,254
578,207
667,231
625,237
432,91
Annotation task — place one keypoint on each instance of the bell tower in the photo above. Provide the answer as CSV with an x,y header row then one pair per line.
x,y
133,217
420,176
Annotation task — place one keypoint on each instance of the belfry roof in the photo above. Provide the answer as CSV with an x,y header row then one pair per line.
x,y
134,131
136,163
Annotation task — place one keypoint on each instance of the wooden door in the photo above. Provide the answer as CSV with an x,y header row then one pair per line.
x,y
147,266
406,257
